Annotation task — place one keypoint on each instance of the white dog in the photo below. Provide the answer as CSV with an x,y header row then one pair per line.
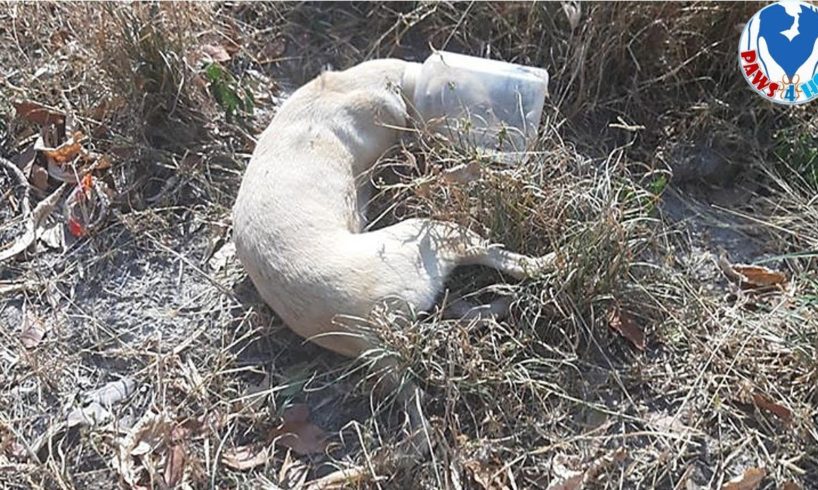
x,y
299,216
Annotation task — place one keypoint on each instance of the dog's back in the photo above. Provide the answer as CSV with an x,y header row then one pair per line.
x,y
297,215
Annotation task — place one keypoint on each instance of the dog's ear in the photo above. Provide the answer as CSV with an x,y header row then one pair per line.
x,y
327,68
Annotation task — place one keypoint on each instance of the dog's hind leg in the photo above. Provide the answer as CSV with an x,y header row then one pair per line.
x,y
411,260
424,250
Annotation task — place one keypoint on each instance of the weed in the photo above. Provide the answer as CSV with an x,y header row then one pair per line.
x,y
797,154
230,96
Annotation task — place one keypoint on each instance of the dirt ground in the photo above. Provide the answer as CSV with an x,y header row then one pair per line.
x,y
138,354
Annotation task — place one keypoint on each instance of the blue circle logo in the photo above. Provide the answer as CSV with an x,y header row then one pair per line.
x,y
778,52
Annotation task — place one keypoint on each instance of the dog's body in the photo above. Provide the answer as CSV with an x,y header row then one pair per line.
x,y
298,220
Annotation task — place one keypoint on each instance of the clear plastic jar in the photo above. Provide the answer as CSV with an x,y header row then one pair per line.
x,y
479,103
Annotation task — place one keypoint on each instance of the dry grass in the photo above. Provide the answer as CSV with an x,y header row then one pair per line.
x,y
638,90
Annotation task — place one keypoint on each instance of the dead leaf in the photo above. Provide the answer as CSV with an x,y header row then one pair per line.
x,y
53,236
566,474
569,478
39,177
38,113
346,478
216,52
107,106
59,37
758,276
293,473
33,221
749,480
486,475
66,151
789,485
175,465
765,403
33,331
298,434
247,457
224,255
626,326
272,51
10,447
150,432
573,482
102,163
600,464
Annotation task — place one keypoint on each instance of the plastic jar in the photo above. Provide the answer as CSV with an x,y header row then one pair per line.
x,y
480,103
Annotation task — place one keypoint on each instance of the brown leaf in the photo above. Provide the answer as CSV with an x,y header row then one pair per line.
x,y
246,457
763,402
346,478
59,37
749,480
298,434
175,465
758,276
149,433
39,177
10,447
273,50
193,428
106,106
102,163
567,475
66,151
486,475
789,485
33,331
37,113
216,52
626,326
571,482
569,478
605,462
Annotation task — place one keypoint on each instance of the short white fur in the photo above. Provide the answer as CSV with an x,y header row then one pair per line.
x,y
299,216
